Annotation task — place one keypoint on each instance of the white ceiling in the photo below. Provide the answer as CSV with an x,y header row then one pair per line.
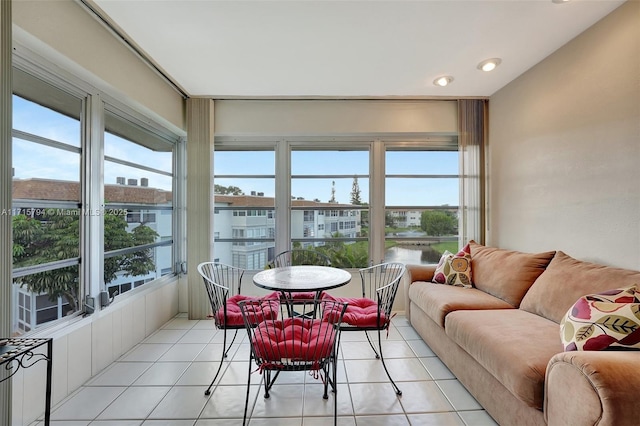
x,y
365,48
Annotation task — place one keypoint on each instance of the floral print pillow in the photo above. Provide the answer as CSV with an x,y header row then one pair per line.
x,y
454,269
604,320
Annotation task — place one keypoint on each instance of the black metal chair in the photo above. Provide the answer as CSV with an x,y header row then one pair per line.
x,y
372,312
300,257
297,343
223,284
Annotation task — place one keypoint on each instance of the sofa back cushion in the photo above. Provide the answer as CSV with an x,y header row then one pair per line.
x,y
506,274
567,279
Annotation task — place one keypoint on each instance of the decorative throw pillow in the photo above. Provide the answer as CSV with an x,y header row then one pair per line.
x,y
454,269
610,319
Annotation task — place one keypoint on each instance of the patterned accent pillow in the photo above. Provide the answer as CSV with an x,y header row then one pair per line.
x,y
610,319
454,269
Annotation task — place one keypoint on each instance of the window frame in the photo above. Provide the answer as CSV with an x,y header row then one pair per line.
x,y
376,145
43,82
246,144
132,127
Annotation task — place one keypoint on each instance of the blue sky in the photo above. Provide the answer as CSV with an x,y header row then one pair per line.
x,y
399,191
32,160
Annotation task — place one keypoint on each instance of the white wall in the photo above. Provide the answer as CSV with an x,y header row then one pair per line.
x,y
325,117
84,348
64,33
564,149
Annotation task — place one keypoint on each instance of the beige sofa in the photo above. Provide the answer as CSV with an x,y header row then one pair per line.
x,y
501,338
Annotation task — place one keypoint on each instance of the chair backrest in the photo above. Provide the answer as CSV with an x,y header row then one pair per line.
x,y
380,283
221,282
292,343
300,257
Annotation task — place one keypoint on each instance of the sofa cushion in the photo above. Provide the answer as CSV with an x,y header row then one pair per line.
x,y
454,269
567,279
437,300
604,320
513,345
506,274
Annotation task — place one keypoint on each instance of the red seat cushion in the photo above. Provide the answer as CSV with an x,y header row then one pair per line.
x,y
266,310
293,339
360,312
307,295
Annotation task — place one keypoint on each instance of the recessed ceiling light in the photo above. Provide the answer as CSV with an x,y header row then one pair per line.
x,y
560,1
443,81
489,64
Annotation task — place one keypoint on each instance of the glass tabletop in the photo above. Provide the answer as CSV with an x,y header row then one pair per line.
x,y
302,278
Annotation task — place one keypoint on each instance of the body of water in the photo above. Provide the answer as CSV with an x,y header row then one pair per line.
x,y
421,255
414,255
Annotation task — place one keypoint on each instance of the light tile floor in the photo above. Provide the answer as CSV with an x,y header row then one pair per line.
x,y
161,382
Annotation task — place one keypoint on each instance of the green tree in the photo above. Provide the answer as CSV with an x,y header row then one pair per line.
x,y
343,255
54,237
333,192
438,222
389,221
355,192
364,221
227,190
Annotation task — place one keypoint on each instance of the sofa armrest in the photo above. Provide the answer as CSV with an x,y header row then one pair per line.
x,y
593,388
420,272
415,273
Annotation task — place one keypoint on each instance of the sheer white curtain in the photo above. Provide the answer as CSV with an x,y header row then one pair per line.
x,y
200,130
472,116
6,254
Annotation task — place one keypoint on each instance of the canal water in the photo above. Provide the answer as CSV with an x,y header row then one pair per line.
x,y
411,254
414,255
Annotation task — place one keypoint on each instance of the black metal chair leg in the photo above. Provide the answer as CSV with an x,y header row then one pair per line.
x,y
246,401
230,344
208,391
335,406
366,333
267,383
327,380
398,391
224,355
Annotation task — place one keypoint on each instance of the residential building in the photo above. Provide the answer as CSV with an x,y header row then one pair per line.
x,y
36,198
252,218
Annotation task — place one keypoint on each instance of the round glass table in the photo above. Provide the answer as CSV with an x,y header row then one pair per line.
x,y
301,278
293,281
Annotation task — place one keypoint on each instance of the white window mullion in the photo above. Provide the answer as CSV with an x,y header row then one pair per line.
x,y
377,204
283,196
92,229
180,205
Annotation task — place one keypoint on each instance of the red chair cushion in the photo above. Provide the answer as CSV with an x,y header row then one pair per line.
x,y
360,312
307,295
294,339
266,310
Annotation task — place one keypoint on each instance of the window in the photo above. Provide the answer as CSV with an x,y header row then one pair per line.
x,y
328,186
244,186
330,201
57,209
138,220
45,214
421,211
